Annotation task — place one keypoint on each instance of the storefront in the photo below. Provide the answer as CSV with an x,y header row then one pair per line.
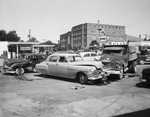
x,y
16,48
44,49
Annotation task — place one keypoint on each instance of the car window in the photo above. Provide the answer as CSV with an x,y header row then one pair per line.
x,y
74,58
42,57
34,58
86,55
53,59
93,54
62,59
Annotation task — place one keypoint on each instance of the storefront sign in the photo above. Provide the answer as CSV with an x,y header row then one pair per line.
x,y
25,48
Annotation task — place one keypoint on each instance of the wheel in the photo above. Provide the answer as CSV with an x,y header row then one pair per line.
x,y
120,76
133,68
19,71
82,78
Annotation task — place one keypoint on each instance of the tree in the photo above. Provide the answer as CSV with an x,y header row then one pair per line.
x,y
2,35
11,36
33,39
47,43
93,43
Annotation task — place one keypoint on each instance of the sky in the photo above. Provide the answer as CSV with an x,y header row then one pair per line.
x,y
48,19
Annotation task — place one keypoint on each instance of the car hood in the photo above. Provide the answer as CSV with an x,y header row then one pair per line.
x,y
9,62
97,64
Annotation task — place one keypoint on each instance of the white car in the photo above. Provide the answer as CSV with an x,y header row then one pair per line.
x,y
90,56
71,66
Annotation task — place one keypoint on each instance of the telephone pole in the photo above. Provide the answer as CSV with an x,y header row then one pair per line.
x,y
29,36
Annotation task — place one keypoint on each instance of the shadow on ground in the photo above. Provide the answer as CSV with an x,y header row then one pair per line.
x,y
141,113
142,85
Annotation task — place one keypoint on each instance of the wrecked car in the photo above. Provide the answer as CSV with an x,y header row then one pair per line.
x,y
71,66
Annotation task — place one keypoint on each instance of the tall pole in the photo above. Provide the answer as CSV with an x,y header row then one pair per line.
x,y
29,36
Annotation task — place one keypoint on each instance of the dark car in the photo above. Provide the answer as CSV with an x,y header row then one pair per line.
x,y
143,59
23,63
144,75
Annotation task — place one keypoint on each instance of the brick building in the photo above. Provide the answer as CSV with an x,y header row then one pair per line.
x,y
82,35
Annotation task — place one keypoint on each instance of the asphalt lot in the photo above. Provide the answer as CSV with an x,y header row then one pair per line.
x,y
51,96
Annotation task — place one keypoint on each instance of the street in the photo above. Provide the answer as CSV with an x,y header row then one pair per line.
x,y
51,96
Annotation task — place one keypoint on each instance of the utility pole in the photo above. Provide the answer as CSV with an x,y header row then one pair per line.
x,y
29,36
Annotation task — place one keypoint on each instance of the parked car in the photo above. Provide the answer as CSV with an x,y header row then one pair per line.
x,y
143,59
23,63
89,56
144,74
71,66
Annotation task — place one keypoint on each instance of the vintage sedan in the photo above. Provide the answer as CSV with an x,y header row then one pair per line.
x,y
89,56
71,66
23,63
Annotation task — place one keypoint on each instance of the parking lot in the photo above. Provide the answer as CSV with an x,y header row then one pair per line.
x,y
51,96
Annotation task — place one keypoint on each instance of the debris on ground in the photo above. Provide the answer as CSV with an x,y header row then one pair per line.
x,y
23,77
77,87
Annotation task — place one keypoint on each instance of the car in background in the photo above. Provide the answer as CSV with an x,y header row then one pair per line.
x,y
23,63
143,59
144,74
71,66
89,56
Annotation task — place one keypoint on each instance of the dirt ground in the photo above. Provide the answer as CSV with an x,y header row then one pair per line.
x,y
59,97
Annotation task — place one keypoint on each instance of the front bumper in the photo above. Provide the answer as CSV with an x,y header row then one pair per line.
x,y
8,70
112,71
103,75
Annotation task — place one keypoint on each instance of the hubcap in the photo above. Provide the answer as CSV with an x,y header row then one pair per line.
x,y
82,79
19,71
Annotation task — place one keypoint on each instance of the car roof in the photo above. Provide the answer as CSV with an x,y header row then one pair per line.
x,y
34,54
65,54
82,53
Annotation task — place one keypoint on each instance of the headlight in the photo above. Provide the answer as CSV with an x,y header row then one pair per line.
x,y
92,70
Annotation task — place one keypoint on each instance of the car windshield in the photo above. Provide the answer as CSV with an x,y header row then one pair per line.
x,y
113,52
74,58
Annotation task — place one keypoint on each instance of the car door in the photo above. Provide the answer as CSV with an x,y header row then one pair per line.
x,y
86,57
62,66
52,65
94,56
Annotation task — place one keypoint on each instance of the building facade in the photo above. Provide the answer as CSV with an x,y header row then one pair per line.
x,y
65,41
81,36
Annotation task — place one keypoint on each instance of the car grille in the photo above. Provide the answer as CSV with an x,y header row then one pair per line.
x,y
97,72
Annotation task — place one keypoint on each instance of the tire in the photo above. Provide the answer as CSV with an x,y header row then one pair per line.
x,y
82,78
19,71
133,68
120,76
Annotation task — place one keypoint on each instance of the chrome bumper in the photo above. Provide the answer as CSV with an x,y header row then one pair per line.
x,y
100,76
111,71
